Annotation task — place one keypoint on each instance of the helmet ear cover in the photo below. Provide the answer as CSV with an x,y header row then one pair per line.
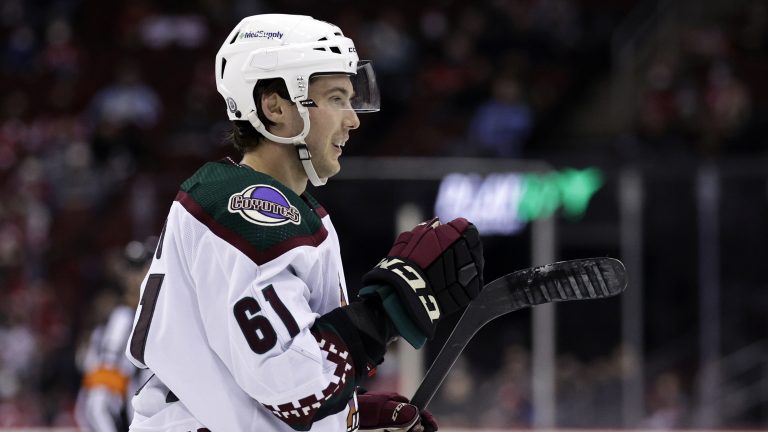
x,y
243,136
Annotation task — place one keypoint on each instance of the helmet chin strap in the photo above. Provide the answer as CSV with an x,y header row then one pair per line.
x,y
298,141
306,162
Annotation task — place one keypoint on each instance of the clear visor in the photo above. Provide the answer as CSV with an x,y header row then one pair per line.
x,y
364,97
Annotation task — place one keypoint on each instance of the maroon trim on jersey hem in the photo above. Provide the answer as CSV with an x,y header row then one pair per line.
x,y
258,256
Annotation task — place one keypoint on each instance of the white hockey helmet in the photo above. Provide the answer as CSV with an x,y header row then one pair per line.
x,y
294,48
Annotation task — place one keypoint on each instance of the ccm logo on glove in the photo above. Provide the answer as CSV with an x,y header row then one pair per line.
x,y
415,281
397,410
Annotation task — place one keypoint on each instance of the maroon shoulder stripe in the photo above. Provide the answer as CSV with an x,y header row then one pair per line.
x,y
257,256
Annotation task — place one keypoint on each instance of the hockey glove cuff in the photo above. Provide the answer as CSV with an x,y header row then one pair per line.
x,y
405,326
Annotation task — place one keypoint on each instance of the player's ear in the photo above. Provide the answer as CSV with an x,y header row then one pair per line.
x,y
274,107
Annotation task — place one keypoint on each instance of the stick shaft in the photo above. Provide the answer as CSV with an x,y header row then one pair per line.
x,y
436,374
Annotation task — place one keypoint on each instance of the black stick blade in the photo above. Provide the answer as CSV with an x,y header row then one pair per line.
x,y
581,279
589,278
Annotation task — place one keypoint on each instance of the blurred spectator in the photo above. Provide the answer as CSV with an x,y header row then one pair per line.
x,y
387,40
18,359
606,380
693,103
728,108
510,391
666,403
665,104
123,113
501,125
61,55
459,403
161,31
18,52
127,101
751,30
573,388
191,134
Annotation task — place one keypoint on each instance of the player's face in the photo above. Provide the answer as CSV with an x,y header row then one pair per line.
x,y
330,122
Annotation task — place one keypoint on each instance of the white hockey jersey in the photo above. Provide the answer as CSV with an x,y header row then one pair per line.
x,y
227,316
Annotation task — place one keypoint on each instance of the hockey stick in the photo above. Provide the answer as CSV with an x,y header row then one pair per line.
x,y
566,280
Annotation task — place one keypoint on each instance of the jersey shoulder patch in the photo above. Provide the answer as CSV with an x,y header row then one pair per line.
x,y
252,211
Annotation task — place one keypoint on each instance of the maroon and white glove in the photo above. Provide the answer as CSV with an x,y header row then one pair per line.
x,y
436,270
391,412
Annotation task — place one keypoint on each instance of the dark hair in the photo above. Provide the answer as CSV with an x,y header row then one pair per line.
x,y
243,136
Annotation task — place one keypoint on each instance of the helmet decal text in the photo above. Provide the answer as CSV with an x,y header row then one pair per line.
x,y
261,34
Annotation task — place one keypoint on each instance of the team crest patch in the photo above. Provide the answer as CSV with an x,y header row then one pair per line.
x,y
264,205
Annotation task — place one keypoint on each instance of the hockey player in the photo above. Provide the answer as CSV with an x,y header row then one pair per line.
x,y
244,317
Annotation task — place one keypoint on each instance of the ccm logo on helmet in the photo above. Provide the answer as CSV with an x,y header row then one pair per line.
x,y
415,281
